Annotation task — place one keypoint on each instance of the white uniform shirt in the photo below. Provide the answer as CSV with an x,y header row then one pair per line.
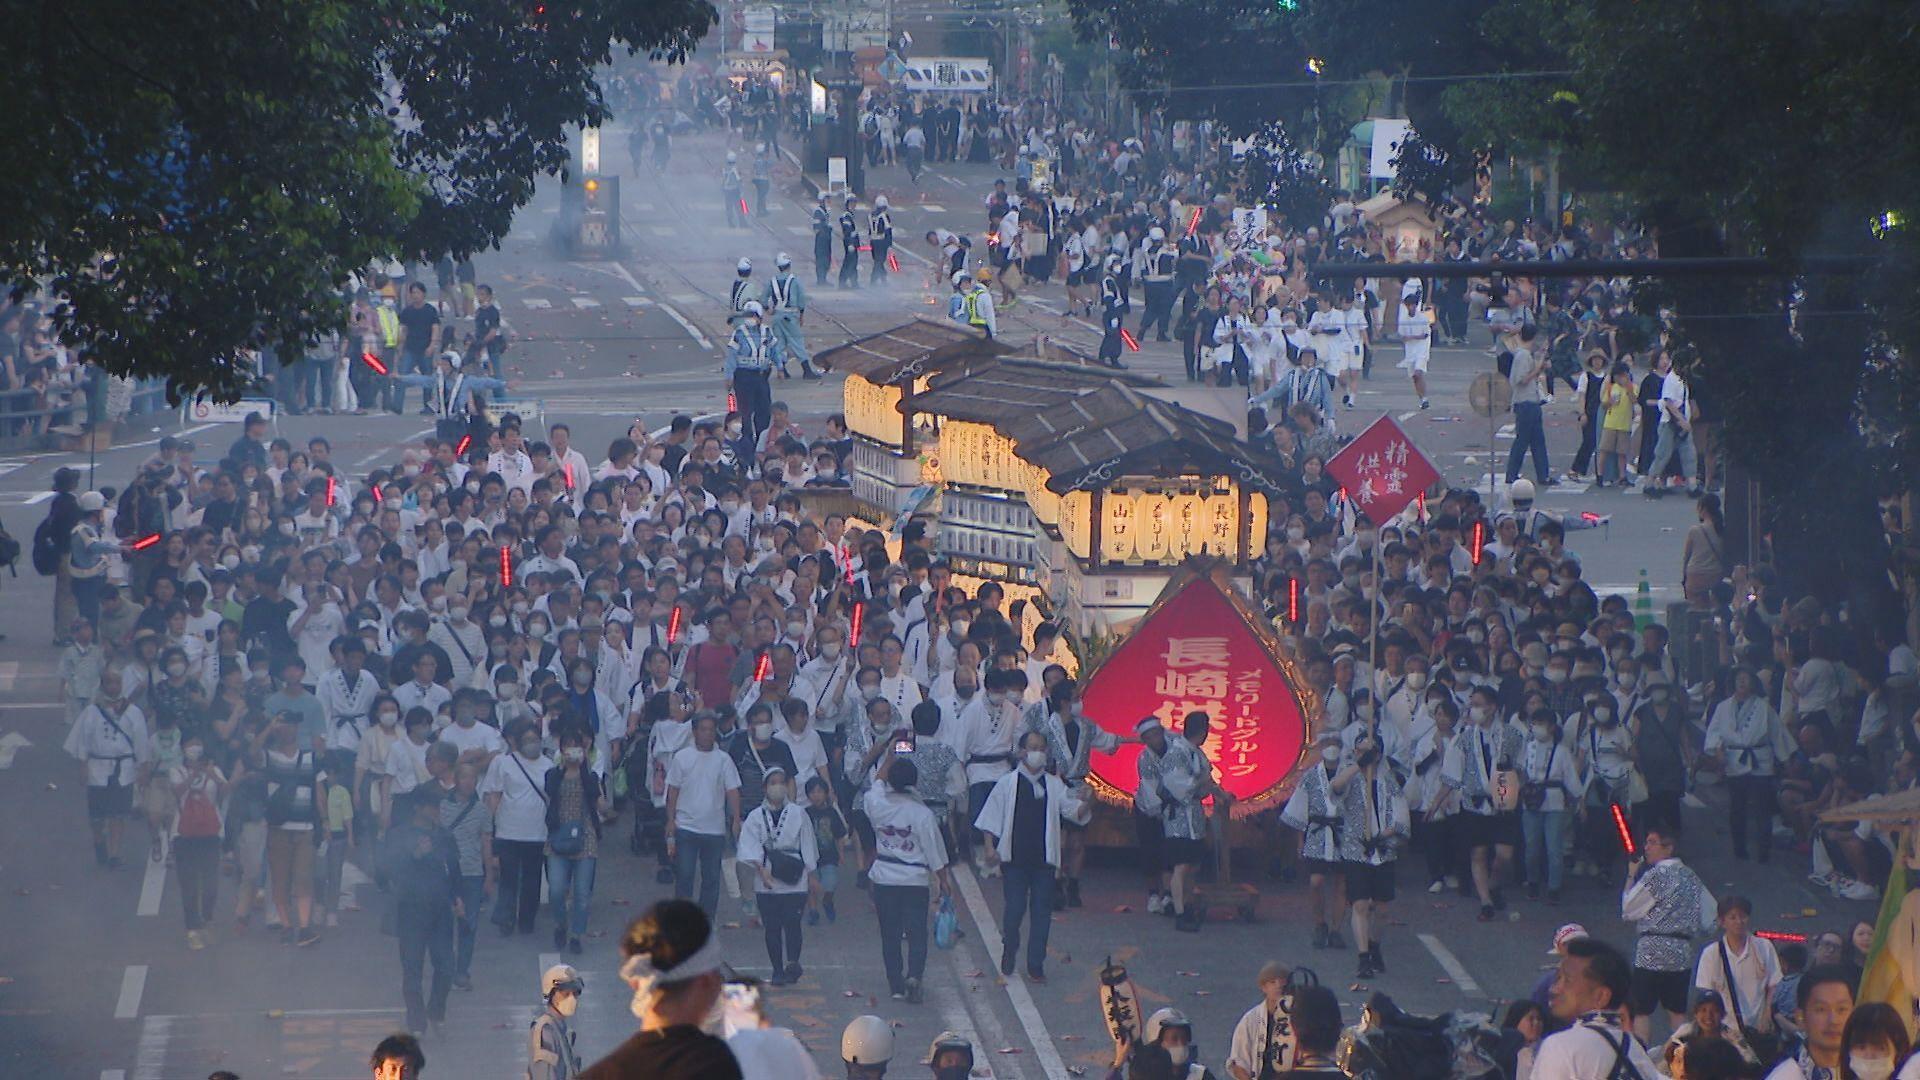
x,y
907,844
521,785
787,829
1756,971
1589,1050
704,777
1262,1039
112,750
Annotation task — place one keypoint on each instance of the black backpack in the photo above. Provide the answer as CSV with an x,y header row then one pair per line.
x,y
46,549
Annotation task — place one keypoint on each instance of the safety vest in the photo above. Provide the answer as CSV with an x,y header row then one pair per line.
x,y
973,310
389,325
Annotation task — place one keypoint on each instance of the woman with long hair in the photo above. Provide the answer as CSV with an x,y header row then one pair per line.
x,y
1702,560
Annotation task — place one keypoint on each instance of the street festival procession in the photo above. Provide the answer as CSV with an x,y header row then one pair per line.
x,y
1134,539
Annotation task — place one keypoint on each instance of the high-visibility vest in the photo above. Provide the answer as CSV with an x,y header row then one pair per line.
x,y
389,325
973,310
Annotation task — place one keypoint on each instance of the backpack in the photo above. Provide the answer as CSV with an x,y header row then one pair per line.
x,y
9,549
198,815
46,549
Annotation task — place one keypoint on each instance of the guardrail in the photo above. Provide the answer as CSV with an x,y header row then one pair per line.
x,y
23,427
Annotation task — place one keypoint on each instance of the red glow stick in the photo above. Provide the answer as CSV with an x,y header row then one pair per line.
x,y
568,471
332,490
1781,935
743,207
1479,540
1127,336
763,668
146,542
859,610
373,362
1193,222
1293,600
673,626
506,567
1626,833
1423,505
893,262
461,450
378,498
733,403
1588,515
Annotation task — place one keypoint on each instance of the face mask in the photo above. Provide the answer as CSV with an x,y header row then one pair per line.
x,y
1416,681
996,697
574,755
1543,734
795,629
176,670
1476,636
496,620
776,794
538,630
1603,717
960,627
522,607
230,561
831,650
1329,754
458,614
193,753
871,693
1296,534
1870,1068
763,732
1479,713
1556,675
1035,759
566,1004
1179,1054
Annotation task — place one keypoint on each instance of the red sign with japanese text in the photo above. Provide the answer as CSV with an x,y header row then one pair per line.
x,y
1196,651
1381,470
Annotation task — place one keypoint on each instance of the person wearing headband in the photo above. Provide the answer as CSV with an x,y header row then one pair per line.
x,y
674,968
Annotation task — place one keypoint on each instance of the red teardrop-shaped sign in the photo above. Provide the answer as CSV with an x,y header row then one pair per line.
x,y
1197,650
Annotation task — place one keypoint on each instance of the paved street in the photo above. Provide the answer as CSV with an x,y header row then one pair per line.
x,y
95,976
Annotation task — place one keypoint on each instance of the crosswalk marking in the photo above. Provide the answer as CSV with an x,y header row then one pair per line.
x,y
635,301
536,303
585,302
932,208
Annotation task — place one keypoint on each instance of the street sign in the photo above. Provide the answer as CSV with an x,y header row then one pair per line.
x,y
1490,394
1381,470
202,411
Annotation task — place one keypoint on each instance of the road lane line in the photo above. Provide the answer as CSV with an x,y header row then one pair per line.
x,y
152,885
584,302
699,338
1046,1055
150,1062
40,498
1451,965
1408,415
536,303
132,985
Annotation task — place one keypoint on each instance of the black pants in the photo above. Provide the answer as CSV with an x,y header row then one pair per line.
x,y
1751,797
426,932
822,261
1159,307
1589,440
849,267
1439,841
903,917
754,398
880,249
1110,336
197,859
518,902
780,916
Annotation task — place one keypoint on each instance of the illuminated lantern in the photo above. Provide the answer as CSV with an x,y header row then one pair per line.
x,y
1189,532
1202,648
1116,529
1153,526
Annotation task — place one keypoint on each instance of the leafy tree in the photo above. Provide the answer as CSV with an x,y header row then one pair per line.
x,y
197,180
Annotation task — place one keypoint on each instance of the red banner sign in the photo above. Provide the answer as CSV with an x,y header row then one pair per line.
x,y
1197,651
1381,470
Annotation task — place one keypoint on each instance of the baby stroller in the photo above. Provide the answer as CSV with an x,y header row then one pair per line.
x,y
1389,1044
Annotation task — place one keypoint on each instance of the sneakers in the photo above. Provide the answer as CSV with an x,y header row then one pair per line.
x,y
574,947
463,982
1848,889
810,375
1334,940
1156,904
1187,922
1533,890
1824,881
559,937
1073,893
1425,404
793,973
1486,913
1365,969
1006,961
813,918
308,936
826,904
914,996
194,941
1437,887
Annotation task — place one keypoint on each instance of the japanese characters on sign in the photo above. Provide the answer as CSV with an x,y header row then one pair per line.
x,y
1197,652
1381,470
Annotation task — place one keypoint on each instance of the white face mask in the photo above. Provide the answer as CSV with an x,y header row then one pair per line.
x,y
1416,680
574,755
1870,1068
776,794
762,732
1179,1054
1329,754
230,561
389,719
1479,713
831,650
996,697
566,1004
1036,760
795,629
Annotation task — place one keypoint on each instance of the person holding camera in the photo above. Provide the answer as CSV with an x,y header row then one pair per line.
x,y
1378,826
1549,786
777,844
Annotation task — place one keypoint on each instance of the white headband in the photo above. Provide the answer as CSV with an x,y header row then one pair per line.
x,y
645,979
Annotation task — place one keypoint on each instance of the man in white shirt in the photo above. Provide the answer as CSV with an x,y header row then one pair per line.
x,y
1415,328
511,460
987,746
515,790
477,742
1022,822
550,559
573,468
1589,994
422,692
909,873
1263,1042
110,737
703,810
1744,970
1675,433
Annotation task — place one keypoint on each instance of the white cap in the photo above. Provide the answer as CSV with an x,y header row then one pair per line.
x,y
959,277
752,307
92,502
1521,490
1565,934
452,356
880,202
1163,1019
783,260
1156,233
561,977
867,1041
732,157
745,266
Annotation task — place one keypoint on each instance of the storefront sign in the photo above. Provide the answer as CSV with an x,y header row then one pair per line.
x,y
1197,651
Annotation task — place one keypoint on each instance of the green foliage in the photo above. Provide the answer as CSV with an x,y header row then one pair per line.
x,y
198,180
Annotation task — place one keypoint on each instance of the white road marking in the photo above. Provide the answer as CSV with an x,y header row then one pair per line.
x,y
536,303
132,985
155,1033
1408,415
932,208
30,705
635,301
9,672
585,302
10,744
40,498
152,885
699,338
1045,1054
1451,965
644,206
378,454
800,230
11,466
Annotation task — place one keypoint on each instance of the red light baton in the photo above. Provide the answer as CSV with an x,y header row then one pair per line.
x,y
461,450
673,626
1479,540
1127,336
506,568
893,262
1193,222
743,208
332,490
146,542
1626,833
858,611
763,668
378,498
568,471
733,403
373,362
1423,506
1782,936
1293,600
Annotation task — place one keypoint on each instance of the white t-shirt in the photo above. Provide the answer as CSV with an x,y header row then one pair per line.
x,y
1756,971
407,765
704,777
480,736
1673,389
523,806
809,753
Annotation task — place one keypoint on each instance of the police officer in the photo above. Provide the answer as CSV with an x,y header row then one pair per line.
x,y
866,1047
730,192
786,299
880,229
1113,310
1158,264
742,292
950,1057
849,246
822,240
752,354
550,1053
978,305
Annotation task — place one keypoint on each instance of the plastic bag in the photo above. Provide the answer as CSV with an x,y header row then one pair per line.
x,y
946,924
